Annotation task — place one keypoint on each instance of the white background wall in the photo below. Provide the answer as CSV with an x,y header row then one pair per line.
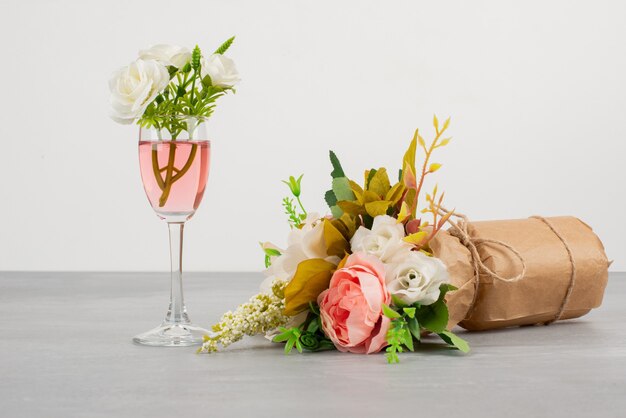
x,y
536,89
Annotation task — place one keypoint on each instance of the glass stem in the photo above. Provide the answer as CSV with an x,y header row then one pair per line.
x,y
177,312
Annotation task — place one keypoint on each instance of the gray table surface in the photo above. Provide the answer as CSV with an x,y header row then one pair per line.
x,y
66,350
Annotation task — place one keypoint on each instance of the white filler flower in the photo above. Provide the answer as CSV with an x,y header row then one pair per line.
x,y
134,87
174,55
416,277
221,69
384,240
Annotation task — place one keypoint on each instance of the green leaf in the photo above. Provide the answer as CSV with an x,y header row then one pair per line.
x,y
392,357
313,326
408,339
272,252
390,313
445,288
410,312
224,47
282,337
196,54
342,189
289,345
455,341
313,307
326,345
414,328
433,317
397,302
331,201
337,170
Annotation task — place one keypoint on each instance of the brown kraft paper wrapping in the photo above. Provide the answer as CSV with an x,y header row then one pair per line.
x,y
537,296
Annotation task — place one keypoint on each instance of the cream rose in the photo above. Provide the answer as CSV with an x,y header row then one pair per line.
x,y
134,87
302,244
384,240
174,55
221,69
416,277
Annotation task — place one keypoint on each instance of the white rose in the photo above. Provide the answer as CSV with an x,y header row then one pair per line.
x,y
384,240
303,244
134,87
167,55
221,69
416,277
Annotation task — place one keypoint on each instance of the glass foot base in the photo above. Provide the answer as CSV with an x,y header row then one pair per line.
x,y
172,335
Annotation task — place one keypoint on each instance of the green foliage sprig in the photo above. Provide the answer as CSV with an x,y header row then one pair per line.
x,y
307,336
409,321
295,217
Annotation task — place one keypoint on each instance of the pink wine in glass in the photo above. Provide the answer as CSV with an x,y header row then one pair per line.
x,y
174,175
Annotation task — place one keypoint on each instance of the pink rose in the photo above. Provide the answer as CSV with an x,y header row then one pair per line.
x,y
351,308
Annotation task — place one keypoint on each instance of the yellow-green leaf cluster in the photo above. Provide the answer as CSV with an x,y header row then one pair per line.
x,y
378,197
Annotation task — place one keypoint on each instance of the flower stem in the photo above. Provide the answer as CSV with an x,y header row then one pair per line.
x,y
187,166
168,175
301,206
155,167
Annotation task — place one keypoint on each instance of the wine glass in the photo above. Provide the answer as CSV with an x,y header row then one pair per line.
x,y
174,157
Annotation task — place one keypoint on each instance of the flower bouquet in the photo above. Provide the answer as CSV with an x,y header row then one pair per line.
x,y
362,279
380,272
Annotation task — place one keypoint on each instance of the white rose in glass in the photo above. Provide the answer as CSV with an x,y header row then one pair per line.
x,y
384,240
134,87
221,69
416,277
174,55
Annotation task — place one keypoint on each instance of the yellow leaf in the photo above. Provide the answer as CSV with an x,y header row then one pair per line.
x,y
379,184
357,190
336,243
369,196
343,262
421,141
404,213
434,167
347,225
395,193
312,278
444,142
436,122
446,124
416,238
408,162
410,199
350,207
377,208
